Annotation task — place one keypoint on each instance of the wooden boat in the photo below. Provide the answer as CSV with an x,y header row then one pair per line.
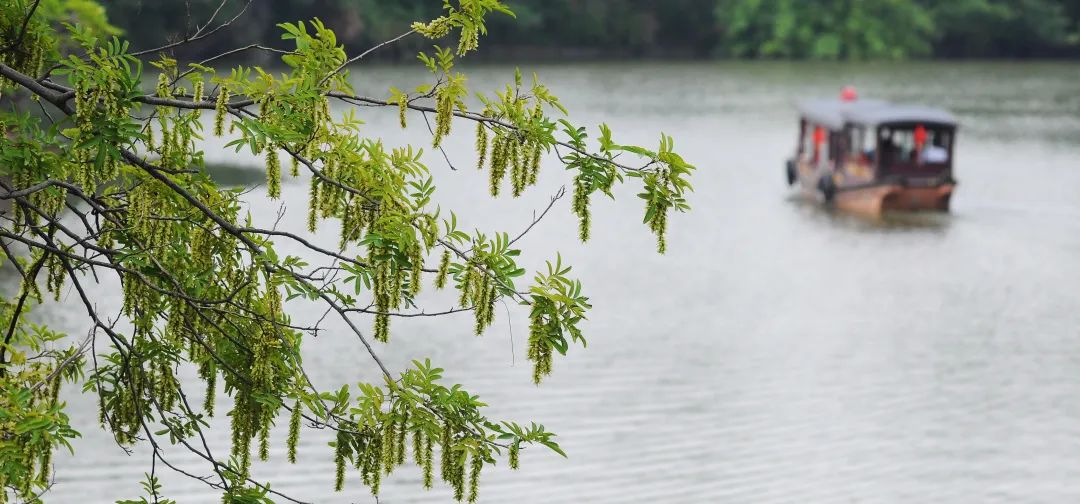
x,y
871,156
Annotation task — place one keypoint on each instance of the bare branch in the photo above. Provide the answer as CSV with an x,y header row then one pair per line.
x,y
200,34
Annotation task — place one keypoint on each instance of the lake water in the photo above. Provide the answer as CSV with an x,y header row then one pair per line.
x,y
778,352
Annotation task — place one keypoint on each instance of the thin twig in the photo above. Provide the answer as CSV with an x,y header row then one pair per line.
x,y
198,35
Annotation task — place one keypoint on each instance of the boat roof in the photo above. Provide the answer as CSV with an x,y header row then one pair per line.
x,y
835,113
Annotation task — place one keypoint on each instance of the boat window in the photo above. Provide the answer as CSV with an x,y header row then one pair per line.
x,y
940,138
915,145
854,138
936,150
861,144
904,142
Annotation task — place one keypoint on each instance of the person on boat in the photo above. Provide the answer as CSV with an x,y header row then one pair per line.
x,y
935,153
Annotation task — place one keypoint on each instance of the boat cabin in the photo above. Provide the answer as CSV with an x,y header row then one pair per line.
x,y
850,144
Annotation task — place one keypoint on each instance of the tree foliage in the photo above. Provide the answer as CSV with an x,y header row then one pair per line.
x,y
836,29
107,180
852,29
1012,28
893,29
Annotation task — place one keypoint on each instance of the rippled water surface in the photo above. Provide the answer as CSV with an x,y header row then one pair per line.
x,y
778,352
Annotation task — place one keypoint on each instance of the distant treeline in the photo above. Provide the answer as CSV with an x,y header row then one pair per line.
x,y
823,29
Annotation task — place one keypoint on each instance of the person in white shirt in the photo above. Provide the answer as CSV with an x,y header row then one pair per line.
x,y
935,154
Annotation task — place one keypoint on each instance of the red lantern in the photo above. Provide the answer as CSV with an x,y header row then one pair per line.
x,y
920,136
848,94
819,140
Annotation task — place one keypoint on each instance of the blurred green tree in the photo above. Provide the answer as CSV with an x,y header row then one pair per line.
x,y
826,29
1002,28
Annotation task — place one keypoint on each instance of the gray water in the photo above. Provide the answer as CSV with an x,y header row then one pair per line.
x,y
778,352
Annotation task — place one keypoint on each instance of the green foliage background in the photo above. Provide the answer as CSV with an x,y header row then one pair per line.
x,y
825,29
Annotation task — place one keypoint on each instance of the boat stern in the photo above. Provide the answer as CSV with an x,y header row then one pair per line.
x,y
934,198
876,199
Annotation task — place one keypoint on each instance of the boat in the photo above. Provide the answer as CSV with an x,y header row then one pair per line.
x,y
872,156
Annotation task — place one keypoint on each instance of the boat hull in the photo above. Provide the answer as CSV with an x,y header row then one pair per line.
x,y
894,197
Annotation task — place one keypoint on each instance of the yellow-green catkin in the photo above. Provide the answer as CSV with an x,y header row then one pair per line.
x,y
661,231
382,327
328,201
163,90
467,279
46,466
444,270
150,136
492,296
518,177
659,220
428,464
484,304
416,268
446,452
166,140
481,145
398,279
403,105
499,159
477,464
264,442
376,478
418,447
402,431
457,478
444,114
581,206
469,40
57,274
389,449
515,454
219,111
273,172
539,351
431,234
294,432
294,168
313,205
534,163
339,461
210,376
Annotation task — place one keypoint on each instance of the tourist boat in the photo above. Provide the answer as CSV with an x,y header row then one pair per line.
x,y
872,156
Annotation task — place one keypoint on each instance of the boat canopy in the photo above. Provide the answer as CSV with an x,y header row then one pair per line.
x,y
834,114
